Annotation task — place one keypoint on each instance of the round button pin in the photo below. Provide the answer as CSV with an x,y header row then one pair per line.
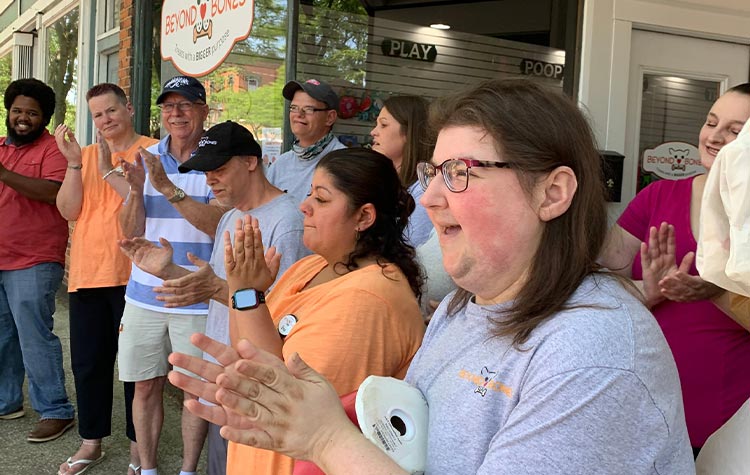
x,y
286,324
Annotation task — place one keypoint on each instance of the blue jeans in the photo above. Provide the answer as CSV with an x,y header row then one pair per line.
x,y
27,302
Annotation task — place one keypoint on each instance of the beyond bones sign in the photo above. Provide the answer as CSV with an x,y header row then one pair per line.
x,y
197,35
673,160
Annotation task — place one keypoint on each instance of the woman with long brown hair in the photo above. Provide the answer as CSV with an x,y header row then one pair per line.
x,y
540,363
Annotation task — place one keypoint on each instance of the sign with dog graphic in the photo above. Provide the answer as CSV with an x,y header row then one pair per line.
x,y
673,160
197,35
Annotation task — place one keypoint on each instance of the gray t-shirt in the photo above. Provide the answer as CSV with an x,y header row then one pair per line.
x,y
418,229
294,175
280,224
595,390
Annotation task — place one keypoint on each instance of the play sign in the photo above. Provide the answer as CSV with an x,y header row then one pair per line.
x,y
197,35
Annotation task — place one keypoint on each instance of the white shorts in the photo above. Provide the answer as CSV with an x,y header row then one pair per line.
x,y
148,337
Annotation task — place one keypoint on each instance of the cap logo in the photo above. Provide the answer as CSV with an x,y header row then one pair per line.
x,y
313,81
206,141
176,82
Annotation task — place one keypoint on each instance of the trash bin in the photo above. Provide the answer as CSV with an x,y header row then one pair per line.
x,y
612,163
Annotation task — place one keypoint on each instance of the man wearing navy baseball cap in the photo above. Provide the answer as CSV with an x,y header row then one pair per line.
x,y
185,86
229,156
312,113
179,208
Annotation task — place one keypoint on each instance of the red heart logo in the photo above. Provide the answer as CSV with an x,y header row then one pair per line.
x,y
203,11
679,160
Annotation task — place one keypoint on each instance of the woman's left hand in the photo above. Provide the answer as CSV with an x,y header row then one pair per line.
x,y
205,386
680,286
290,409
262,402
657,261
104,156
246,264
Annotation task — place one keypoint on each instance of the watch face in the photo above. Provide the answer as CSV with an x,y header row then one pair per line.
x,y
177,195
286,324
245,299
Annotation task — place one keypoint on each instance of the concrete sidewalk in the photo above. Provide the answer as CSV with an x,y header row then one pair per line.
x,y
23,458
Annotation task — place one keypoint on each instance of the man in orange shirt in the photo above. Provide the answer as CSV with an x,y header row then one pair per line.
x,y
92,195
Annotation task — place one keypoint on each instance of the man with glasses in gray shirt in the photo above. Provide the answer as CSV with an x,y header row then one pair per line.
x,y
312,113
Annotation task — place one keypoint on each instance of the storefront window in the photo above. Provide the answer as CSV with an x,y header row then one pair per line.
x,y
62,60
673,109
370,49
246,88
6,63
367,57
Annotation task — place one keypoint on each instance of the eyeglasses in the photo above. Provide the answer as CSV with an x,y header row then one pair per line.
x,y
183,106
455,172
294,109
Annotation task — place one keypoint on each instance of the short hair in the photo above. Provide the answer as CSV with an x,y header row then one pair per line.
x,y
35,89
537,130
743,88
107,88
353,172
411,114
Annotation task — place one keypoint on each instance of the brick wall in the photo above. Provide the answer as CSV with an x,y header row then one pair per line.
x,y
64,285
125,56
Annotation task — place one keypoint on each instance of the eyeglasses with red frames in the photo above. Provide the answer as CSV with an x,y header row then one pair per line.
x,y
455,172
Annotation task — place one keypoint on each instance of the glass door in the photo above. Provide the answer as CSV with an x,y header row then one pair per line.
x,y
673,81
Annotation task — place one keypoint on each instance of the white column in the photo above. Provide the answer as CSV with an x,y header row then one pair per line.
x,y
23,55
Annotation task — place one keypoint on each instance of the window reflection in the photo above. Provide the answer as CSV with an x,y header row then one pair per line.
x,y
673,109
6,64
62,60
246,88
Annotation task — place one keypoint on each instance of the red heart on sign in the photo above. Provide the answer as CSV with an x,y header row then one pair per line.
x,y
203,11
679,160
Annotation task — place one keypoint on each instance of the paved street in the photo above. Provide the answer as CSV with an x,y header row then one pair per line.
x,y
23,458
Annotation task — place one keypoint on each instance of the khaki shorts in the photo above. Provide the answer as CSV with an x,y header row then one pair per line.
x,y
148,337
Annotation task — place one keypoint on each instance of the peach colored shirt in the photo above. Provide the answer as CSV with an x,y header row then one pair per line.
x,y
366,322
95,259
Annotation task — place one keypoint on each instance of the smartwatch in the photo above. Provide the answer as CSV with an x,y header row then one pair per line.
x,y
247,299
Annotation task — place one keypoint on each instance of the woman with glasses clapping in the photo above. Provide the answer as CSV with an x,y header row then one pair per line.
x,y
540,363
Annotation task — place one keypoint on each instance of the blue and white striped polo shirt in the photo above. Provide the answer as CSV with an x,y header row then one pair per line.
x,y
163,220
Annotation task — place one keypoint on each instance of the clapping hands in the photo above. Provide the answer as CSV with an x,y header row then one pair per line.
x,y
262,402
247,266
663,278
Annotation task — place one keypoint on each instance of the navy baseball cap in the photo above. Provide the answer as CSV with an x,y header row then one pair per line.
x,y
219,144
186,86
318,90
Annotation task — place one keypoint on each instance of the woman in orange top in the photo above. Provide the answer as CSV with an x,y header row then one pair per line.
x,y
91,195
351,310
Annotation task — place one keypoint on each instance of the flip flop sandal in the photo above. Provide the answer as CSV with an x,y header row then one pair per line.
x,y
136,469
88,463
